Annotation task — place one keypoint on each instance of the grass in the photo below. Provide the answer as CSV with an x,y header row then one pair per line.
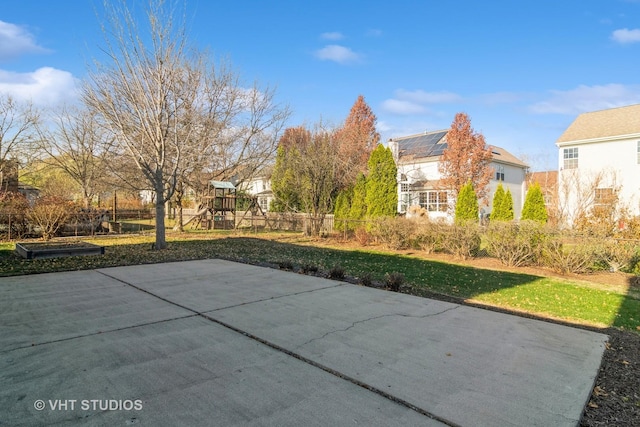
x,y
571,301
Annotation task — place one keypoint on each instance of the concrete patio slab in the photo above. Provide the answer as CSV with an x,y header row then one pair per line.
x,y
220,343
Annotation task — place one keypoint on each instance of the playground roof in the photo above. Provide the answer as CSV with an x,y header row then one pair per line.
x,y
222,184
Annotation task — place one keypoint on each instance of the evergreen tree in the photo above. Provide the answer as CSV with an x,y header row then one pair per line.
x,y
382,187
497,213
466,204
507,206
534,208
342,208
358,201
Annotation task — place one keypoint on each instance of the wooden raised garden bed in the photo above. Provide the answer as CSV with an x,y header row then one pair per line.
x,y
57,249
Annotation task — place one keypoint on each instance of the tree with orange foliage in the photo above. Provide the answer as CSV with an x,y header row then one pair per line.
x,y
356,140
467,158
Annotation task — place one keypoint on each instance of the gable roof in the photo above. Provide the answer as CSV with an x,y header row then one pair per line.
x,y
432,144
604,123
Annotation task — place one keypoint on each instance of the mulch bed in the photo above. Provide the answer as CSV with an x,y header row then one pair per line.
x,y
615,400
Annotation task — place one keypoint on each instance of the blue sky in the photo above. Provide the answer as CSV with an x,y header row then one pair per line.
x,y
523,70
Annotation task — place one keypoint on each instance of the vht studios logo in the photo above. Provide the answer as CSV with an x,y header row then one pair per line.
x,y
88,405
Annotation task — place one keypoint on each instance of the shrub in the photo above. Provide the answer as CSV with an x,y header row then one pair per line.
x,y
429,236
49,214
362,236
309,268
285,265
466,204
534,208
618,256
366,279
13,219
578,257
515,244
394,233
337,272
462,239
394,281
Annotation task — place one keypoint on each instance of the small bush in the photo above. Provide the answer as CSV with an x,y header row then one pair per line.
x,y
578,258
394,281
366,279
285,265
429,236
49,214
337,272
309,268
515,244
395,233
13,208
462,240
361,235
618,256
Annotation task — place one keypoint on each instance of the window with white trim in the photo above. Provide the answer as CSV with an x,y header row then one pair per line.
x,y
500,173
434,201
570,157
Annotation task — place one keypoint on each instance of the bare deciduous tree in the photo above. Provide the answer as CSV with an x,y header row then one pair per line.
x,y
77,145
171,111
18,131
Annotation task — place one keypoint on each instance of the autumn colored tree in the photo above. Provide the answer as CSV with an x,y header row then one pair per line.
x,y
466,204
466,158
357,139
382,186
534,208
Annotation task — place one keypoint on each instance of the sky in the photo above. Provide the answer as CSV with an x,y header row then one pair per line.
x,y
522,70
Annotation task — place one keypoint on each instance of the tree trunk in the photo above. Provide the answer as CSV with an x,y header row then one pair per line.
x,y
161,241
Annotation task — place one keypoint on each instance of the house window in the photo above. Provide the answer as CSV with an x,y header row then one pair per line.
x,y
434,201
570,157
604,196
500,173
404,187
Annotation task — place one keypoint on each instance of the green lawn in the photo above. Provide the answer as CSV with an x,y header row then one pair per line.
x,y
577,302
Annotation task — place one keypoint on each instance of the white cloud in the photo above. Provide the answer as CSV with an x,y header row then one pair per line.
x,y
45,86
403,107
407,102
337,53
626,35
15,41
588,98
334,35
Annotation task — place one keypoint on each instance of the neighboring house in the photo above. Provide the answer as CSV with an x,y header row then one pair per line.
x,y
260,187
599,162
417,158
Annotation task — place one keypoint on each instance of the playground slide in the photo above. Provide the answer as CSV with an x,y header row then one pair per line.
x,y
198,214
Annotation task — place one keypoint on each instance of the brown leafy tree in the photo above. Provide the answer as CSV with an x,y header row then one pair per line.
x,y
357,139
467,158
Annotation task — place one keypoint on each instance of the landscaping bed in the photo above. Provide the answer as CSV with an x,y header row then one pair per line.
x,y
57,249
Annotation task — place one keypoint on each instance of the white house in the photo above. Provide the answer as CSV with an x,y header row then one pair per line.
x,y
417,158
260,186
599,159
